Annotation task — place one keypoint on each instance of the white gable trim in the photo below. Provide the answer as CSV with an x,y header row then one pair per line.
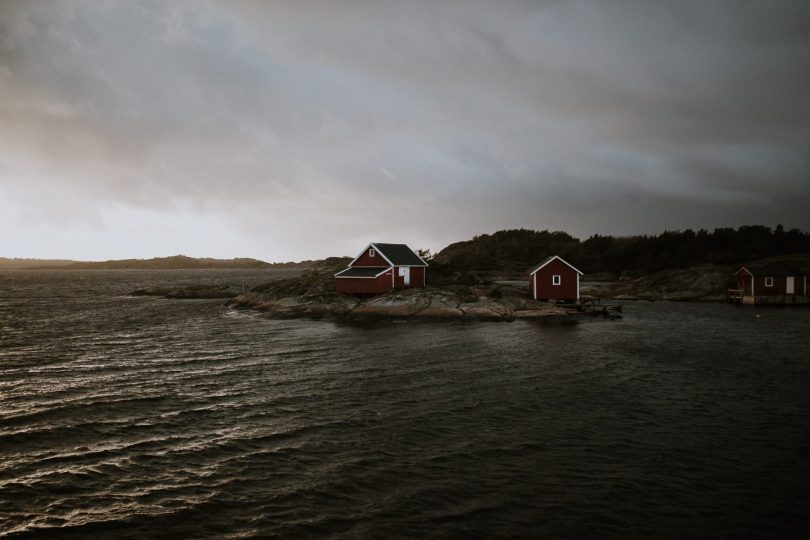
x,y
552,260
376,252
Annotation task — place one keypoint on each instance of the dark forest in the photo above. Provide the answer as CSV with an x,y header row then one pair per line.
x,y
517,250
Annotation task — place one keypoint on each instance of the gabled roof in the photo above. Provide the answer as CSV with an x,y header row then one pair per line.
x,y
362,272
547,260
394,254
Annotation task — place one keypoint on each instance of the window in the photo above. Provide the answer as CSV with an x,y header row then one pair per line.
x,y
769,282
371,253
556,279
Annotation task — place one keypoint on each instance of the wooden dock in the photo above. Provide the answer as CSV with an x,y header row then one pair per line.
x,y
736,296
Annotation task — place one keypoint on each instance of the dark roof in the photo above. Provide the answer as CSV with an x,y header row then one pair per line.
x,y
775,270
548,260
399,254
362,272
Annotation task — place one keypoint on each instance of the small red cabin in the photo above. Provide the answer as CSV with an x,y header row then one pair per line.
x,y
381,268
771,281
554,280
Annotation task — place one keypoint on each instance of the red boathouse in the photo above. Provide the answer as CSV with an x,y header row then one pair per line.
x,y
554,280
776,284
381,268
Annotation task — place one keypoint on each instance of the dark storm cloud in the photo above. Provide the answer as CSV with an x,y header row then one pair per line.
x,y
431,120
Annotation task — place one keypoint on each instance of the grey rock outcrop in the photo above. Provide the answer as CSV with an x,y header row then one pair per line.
x,y
413,304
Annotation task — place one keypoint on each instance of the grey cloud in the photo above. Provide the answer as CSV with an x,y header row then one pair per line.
x,y
586,116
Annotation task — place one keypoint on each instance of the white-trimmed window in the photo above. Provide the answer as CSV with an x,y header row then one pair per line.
x,y
556,279
371,252
769,282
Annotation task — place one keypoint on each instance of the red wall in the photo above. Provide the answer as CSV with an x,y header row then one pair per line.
x,y
379,285
566,290
779,285
744,282
376,260
418,276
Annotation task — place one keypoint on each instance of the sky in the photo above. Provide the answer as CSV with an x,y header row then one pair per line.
x,y
289,130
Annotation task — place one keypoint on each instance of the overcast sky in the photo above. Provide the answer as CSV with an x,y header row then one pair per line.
x,y
292,130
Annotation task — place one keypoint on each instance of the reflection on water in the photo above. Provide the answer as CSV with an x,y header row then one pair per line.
x,y
141,417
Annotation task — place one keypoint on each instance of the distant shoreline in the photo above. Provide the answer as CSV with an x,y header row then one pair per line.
x,y
85,269
177,262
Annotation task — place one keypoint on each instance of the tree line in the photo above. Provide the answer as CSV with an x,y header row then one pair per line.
x,y
517,250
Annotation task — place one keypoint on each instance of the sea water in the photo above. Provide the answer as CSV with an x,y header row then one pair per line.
x,y
148,418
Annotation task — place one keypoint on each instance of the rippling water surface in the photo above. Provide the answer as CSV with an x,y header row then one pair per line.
x,y
149,418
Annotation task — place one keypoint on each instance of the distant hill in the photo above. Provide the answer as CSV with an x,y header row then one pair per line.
x,y
11,263
177,262
514,252
321,265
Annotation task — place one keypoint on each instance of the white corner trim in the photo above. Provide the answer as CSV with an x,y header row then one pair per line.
x,y
561,260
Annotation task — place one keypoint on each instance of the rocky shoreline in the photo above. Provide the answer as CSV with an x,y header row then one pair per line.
x,y
417,304
312,296
707,283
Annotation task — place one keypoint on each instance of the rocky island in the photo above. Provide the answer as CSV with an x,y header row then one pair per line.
x,y
312,295
191,292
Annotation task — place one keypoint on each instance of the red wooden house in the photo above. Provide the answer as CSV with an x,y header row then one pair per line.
x,y
381,268
756,283
554,280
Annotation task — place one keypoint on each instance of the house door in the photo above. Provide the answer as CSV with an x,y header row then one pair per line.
x,y
405,274
789,285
